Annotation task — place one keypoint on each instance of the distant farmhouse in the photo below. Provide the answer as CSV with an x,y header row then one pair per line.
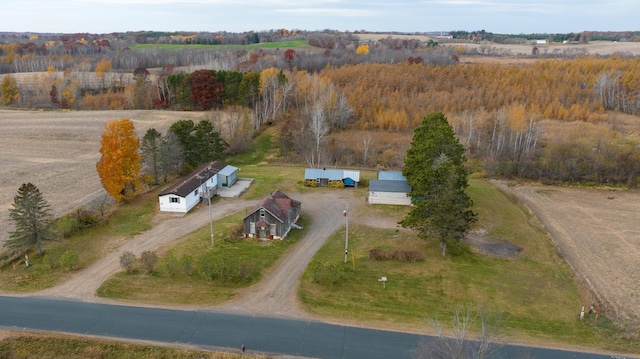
x,y
391,187
323,176
203,182
272,217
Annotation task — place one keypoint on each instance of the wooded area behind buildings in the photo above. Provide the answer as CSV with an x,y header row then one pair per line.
x,y
345,102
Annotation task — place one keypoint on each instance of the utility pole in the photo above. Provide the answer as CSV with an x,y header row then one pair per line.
x,y
346,237
210,217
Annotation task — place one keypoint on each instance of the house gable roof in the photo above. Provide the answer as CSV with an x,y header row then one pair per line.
x,y
278,204
194,179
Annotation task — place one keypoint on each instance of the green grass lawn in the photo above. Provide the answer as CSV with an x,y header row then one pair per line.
x,y
535,289
89,244
180,287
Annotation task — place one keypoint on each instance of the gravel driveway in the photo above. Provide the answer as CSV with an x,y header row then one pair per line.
x,y
274,296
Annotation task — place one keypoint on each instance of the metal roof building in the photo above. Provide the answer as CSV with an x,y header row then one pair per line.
x,y
323,176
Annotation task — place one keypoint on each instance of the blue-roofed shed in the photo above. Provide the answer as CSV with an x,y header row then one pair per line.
x,y
391,176
391,187
324,176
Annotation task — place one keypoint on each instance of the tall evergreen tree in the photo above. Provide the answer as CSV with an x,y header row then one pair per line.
x,y
434,168
150,149
32,218
170,155
200,142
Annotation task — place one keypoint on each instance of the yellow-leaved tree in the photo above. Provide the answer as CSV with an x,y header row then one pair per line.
x,y
102,68
119,166
362,50
9,90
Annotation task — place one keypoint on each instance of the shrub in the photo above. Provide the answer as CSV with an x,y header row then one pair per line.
x,y
149,260
127,261
186,264
67,225
170,264
69,260
50,260
383,255
311,183
70,223
237,232
87,218
335,184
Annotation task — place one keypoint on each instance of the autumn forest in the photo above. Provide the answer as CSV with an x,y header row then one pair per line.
x,y
337,101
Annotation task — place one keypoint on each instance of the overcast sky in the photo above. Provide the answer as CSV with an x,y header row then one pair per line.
x,y
497,16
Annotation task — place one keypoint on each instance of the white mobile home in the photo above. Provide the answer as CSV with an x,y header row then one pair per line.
x,y
193,188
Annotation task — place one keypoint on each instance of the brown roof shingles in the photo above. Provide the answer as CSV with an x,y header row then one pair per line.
x,y
194,179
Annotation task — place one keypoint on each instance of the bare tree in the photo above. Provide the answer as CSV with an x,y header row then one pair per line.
x,y
319,129
366,142
459,342
234,127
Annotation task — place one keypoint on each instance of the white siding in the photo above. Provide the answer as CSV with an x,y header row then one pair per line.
x,y
393,198
167,206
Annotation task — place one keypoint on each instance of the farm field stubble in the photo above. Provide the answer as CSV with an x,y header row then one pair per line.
x,y
57,151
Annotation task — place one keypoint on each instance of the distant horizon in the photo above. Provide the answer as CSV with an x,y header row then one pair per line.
x,y
433,32
237,16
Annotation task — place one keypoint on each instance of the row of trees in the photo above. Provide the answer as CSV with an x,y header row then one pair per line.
x,y
123,160
124,157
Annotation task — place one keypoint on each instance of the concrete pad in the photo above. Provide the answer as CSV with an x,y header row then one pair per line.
x,y
237,189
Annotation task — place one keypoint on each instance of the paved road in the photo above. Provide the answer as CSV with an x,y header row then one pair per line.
x,y
205,329
247,320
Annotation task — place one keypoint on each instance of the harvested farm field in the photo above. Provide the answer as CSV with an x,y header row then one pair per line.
x,y
57,151
596,231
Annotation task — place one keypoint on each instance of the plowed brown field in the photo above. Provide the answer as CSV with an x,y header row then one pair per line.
x,y
597,232
57,151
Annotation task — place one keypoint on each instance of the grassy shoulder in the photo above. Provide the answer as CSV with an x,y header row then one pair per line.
x,y
126,221
183,275
57,346
89,245
534,290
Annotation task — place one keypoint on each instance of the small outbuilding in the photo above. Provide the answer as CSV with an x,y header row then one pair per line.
x,y
324,176
200,184
391,188
272,217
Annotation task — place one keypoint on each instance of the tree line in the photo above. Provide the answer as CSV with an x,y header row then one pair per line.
x,y
504,114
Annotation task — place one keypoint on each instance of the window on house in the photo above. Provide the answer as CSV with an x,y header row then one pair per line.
x,y
175,199
262,213
196,194
273,230
252,227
